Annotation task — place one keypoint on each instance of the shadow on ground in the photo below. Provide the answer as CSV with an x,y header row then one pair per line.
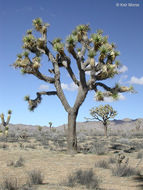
x,y
139,178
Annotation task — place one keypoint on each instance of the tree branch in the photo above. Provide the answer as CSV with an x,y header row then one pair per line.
x,y
59,89
72,75
39,75
33,103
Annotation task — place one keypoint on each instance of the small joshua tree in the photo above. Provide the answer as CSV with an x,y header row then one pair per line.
x,y
138,125
39,128
82,49
103,114
50,125
5,123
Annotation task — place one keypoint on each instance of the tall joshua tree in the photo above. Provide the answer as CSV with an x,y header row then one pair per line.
x,y
5,123
83,49
103,114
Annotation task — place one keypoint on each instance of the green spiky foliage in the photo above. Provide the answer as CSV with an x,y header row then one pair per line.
x,y
91,53
103,114
71,41
27,98
5,123
40,26
99,31
99,96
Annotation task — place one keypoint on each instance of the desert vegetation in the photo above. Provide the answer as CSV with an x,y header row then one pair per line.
x,y
39,160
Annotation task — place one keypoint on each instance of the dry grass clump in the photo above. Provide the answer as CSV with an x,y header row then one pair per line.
x,y
123,171
102,164
86,178
99,149
9,183
122,168
112,160
139,155
35,177
18,163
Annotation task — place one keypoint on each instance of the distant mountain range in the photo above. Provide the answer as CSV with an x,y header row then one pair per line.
x,y
125,125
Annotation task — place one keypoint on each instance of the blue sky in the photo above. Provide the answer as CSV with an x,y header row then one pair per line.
x,y
123,25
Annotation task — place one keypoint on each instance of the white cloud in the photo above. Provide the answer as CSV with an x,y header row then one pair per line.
x,y
135,80
121,97
64,86
123,69
44,87
69,87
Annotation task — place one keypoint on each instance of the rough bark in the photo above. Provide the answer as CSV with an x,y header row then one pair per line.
x,y
72,115
105,128
71,136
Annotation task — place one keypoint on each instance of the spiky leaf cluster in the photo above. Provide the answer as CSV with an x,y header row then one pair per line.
x,y
58,45
40,26
71,41
99,96
9,112
98,40
91,53
80,31
29,42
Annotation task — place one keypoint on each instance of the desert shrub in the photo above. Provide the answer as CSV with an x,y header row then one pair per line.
x,y
137,134
98,149
123,170
4,146
139,155
27,187
35,177
10,163
19,162
2,138
9,183
112,160
32,146
86,178
102,164
12,137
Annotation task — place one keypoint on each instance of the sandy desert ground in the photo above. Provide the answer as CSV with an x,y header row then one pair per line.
x,y
26,150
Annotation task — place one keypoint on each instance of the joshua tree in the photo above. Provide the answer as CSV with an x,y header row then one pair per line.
x,y
50,125
103,114
39,128
5,123
83,49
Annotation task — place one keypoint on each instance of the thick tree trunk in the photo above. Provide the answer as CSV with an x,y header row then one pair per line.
x,y
71,136
105,130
